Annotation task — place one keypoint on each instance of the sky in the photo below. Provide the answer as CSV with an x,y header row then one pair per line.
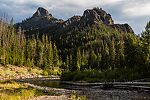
x,y
134,12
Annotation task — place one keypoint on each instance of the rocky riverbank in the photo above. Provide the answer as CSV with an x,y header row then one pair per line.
x,y
62,97
96,93
114,94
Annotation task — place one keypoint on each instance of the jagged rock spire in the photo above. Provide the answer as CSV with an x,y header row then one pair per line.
x,y
97,15
41,12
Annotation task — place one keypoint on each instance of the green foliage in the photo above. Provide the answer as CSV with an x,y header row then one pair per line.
x,y
81,75
52,71
75,96
146,44
20,50
55,56
116,55
78,59
17,91
98,76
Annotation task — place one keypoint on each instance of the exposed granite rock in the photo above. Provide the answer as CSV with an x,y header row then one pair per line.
x,y
41,12
72,20
96,15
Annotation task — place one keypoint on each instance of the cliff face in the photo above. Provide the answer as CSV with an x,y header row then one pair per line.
x,y
42,19
96,15
41,12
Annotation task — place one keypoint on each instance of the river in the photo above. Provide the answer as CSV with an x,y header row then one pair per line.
x,y
94,92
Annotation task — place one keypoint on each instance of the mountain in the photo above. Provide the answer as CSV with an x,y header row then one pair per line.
x,y
94,35
41,12
40,19
44,21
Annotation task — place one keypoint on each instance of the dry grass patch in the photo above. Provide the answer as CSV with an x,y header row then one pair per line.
x,y
17,91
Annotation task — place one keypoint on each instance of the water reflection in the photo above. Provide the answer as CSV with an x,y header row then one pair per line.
x,y
50,83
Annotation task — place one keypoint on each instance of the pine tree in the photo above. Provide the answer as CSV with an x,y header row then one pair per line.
x,y
78,59
84,60
67,63
92,59
55,57
112,53
99,56
146,44
121,53
50,54
39,54
70,62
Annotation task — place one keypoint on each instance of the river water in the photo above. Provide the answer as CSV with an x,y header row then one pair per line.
x,y
96,93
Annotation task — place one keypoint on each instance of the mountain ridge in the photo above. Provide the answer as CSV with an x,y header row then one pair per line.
x,y
42,19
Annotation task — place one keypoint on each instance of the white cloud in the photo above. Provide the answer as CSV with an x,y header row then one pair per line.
x,y
137,10
83,3
106,2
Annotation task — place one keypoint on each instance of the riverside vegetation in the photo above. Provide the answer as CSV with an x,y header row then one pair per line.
x,y
10,90
84,48
17,91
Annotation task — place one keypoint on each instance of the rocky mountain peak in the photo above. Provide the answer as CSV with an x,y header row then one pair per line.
x,y
96,15
72,20
41,19
41,12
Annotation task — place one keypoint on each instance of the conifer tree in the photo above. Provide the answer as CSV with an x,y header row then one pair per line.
x,y
39,54
146,44
50,54
84,60
55,56
112,53
67,63
78,59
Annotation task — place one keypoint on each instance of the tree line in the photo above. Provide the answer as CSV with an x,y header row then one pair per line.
x,y
20,50
100,48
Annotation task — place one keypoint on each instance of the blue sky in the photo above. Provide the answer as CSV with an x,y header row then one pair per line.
x,y
134,12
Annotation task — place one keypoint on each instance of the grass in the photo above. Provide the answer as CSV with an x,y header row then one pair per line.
x,y
74,96
15,72
52,71
10,90
18,91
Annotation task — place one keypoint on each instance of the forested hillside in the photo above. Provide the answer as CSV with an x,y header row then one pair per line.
x,y
17,49
88,46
